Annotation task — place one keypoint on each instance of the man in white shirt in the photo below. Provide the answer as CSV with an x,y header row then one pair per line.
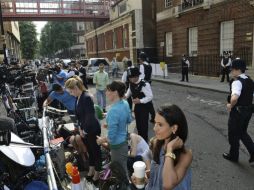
x,y
185,68
240,111
146,73
225,64
142,95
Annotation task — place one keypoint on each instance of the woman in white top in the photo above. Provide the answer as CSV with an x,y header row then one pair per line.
x,y
139,151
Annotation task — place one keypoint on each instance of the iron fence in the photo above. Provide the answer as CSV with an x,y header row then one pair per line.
x,y
206,65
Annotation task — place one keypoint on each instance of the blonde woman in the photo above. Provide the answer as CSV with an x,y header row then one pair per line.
x,y
89,125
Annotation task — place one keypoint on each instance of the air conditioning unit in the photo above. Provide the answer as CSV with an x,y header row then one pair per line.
x,y
252,3
176,11
206,4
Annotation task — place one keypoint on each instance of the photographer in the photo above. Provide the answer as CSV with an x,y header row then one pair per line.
x,y
59,75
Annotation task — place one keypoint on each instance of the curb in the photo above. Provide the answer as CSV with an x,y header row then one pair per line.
x,y
190,85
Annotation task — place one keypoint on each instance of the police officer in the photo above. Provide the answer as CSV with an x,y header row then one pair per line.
x,y
146,73
185,68
225,64
240,111
142,95
126,80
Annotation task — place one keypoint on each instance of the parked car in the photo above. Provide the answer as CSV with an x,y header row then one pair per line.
x,y
93,66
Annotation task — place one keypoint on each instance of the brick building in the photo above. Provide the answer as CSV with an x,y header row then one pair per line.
x,y
203,29
131,29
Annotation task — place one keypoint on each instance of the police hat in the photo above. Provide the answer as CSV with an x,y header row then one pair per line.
x,y
133,72
142,55
239,64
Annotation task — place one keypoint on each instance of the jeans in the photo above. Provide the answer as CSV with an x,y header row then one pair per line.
x,y
101,98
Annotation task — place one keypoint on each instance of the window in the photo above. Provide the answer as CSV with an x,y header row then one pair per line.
x,y
122,8
193,41
81,39
226,36
114,39
125,37
169,49
168,3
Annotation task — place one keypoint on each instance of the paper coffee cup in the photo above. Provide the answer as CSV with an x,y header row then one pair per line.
x,y
139,172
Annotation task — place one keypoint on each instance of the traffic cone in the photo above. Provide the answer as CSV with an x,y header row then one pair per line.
x,y
75,179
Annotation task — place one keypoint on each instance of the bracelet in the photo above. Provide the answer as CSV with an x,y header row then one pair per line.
x,y
170,155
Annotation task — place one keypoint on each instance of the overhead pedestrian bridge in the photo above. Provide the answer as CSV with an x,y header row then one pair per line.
x,y
46,10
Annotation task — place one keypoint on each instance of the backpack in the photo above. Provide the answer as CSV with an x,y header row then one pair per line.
x,y
148,72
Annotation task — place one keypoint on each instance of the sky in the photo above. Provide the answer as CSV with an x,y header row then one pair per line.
x,y
39,25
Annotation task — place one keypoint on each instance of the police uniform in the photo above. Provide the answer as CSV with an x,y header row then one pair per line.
x,y
225,64
185,68
146,73
125,79
240,114
141,90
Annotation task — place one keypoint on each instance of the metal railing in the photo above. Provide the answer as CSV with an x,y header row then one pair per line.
x,y
44,125
206,65
187,4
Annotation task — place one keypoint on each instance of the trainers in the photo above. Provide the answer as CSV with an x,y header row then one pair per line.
x,y
227,156
251,160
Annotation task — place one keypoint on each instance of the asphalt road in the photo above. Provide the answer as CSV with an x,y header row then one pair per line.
x,y
207,120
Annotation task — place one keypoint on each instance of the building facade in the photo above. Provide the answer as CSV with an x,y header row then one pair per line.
x,y
203,29
131,29
12,40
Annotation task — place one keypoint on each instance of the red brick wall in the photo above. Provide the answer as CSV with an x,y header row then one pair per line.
x,y
208,23
105,43
126,27
109,39
119,34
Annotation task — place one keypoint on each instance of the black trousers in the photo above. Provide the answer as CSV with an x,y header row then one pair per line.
x,y
185,72
141,112
94,151
237,130
151,110
129,100
85,83
224,71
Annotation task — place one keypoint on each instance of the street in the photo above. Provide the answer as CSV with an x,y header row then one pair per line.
x,y
207,120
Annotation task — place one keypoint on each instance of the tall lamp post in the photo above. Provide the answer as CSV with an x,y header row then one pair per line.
x,y
96,37
2,33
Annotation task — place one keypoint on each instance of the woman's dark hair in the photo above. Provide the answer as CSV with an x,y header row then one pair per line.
x,y
57,87
173,116
117,86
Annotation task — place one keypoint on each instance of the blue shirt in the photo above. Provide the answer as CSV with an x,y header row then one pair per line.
x,y
65,98
61,74
155,180
118,117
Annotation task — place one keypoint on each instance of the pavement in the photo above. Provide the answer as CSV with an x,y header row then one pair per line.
x,y
195,81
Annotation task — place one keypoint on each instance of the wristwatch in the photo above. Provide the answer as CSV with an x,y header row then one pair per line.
x,y
171,155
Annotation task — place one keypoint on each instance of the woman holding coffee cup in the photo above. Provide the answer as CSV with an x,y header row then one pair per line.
x,y
170,167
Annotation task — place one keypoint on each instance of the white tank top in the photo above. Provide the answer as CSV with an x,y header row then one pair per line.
x,y
143,149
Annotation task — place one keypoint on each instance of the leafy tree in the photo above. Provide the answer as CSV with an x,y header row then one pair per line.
x,y
56,36
28,39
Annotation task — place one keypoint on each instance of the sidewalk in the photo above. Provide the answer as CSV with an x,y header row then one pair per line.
x,y
195,81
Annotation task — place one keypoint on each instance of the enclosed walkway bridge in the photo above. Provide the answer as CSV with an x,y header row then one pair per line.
x,y
60,10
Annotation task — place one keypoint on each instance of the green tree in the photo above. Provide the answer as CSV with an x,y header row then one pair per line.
x,y
56,36
28,38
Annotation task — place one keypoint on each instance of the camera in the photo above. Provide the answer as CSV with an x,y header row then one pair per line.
x,y
4,74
